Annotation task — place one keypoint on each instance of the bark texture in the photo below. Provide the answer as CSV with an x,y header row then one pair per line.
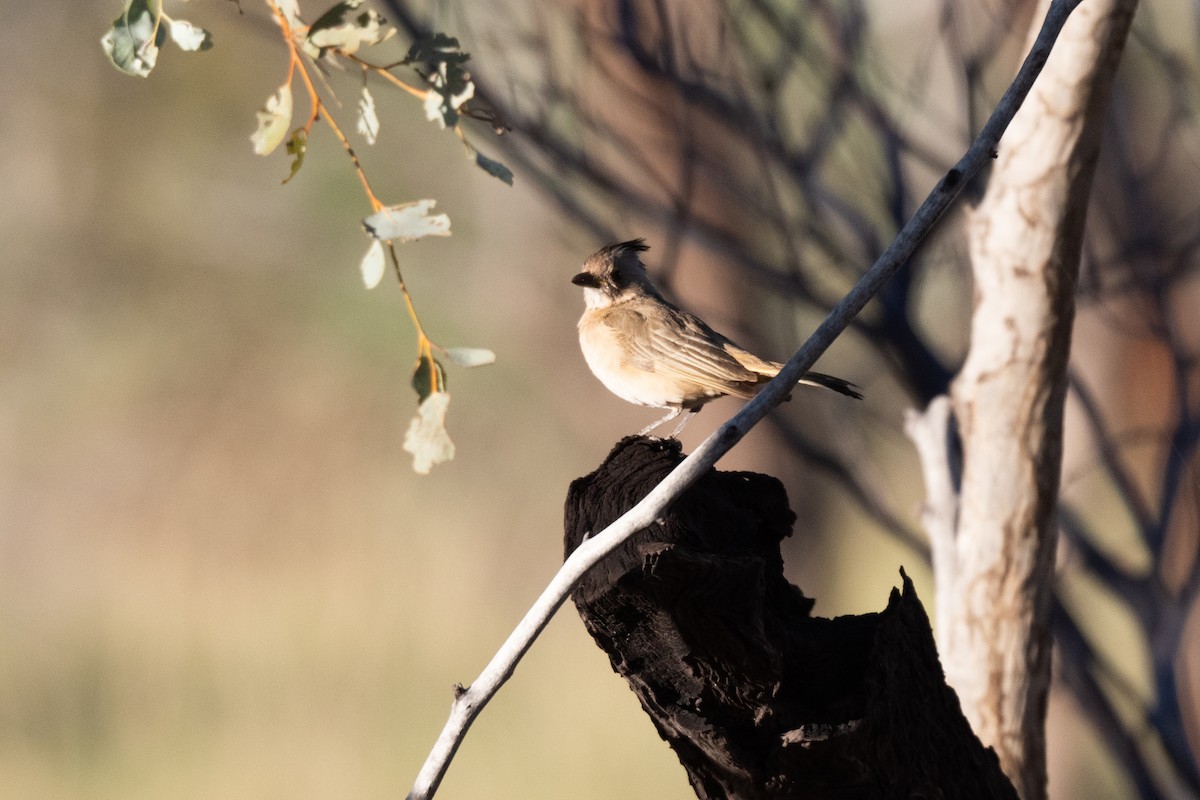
x,y
994,556
757,697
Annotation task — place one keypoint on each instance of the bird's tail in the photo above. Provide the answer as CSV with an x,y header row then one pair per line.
x,y
769,369
829,382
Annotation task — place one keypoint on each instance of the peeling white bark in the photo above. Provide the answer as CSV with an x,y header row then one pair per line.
x,y
994,547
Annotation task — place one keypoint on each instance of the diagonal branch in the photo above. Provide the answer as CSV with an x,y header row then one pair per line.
x,y
471,701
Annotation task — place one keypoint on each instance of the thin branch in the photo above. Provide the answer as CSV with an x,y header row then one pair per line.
x,y
933,437
1137,593
1186,436
1109,454
1075,660
870,501
471,701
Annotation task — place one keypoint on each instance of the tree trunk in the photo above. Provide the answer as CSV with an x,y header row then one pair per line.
x,y
993,542
757,697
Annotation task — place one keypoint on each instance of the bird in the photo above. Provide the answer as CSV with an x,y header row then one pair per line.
x,y
651,353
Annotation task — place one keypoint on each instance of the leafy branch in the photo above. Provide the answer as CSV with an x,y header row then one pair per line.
x,y
337,35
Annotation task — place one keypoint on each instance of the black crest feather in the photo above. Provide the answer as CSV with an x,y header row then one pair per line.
x,y
621,248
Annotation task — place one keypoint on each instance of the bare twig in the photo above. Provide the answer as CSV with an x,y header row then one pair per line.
x,y
1094,703
871,501
470,702
1106,444
929,431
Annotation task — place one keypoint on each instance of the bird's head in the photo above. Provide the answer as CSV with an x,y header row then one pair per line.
x,y
614,273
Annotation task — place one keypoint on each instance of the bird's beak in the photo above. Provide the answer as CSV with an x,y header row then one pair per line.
x,y
586,280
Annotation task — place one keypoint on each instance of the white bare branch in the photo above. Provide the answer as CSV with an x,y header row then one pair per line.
x,y
994,566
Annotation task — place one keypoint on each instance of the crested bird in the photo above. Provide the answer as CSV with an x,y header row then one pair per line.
x,y
649,352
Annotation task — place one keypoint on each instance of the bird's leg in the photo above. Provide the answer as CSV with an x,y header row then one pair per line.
x,y
691,413
670,416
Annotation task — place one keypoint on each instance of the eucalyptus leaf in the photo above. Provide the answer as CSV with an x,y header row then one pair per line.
x,y
470,356
426,438
346,28
297,148
291,12
428,377
368,120
407,221
435,49
273,121
448,91
441,64
373,265
188,36
493,167
437,111
334,16
133,41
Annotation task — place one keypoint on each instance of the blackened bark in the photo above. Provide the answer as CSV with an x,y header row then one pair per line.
x,y
757,697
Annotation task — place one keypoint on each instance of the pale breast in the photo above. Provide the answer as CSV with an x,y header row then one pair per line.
x,y
604,354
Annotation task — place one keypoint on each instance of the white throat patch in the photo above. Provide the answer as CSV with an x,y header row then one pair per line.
x,y
595,298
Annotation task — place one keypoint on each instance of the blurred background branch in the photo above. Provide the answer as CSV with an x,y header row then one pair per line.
x,y
210,543
782,146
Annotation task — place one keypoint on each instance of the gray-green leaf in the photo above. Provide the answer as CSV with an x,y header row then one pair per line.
x,y
426,438
470,356
407,221
493,167
273,121
373,265
342,28
188,36
448,91
291,12
428,377
442,65
368,120
297,147
436,49
132,42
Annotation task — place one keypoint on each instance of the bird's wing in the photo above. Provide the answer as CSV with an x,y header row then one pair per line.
x,y
679,345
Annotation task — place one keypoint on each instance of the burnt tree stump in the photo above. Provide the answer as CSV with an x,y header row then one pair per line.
x,y
758,698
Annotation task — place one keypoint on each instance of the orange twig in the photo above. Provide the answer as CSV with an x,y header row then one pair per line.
x,y
424,343
318,108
